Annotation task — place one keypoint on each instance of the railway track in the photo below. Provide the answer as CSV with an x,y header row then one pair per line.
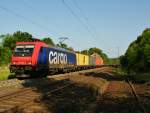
x,y
24,97
9,103
137,97
16,99
120,95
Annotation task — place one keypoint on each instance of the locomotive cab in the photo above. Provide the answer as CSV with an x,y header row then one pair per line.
x,y
23,50
24,58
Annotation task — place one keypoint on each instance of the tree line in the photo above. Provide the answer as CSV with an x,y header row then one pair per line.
x,y
137,56
9,41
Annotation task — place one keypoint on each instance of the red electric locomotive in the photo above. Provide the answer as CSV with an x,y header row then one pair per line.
x,y
36,57
25,57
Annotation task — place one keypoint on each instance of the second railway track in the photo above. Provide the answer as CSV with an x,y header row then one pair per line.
x,y
137,97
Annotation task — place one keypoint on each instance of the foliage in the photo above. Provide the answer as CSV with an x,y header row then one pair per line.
x,y
114,61
86,52
8,44
1,39
48,41
5,55
10,40
137,56
141,78
4,73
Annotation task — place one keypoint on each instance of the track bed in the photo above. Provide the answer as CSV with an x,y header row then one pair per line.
x,y
90,91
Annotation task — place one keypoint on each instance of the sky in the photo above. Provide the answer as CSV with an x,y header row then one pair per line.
x,y
110,25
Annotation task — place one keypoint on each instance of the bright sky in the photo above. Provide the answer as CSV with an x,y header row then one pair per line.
x,y
106,24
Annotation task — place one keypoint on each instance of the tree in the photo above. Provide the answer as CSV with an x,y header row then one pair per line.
x,y
137,56
5,55
1,39
95,50
10,40
48,41
22,36
86,52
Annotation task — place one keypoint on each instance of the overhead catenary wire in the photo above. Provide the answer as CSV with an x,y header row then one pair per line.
x,y
77,17
85,18
69,39
83,23
81,11
26,19
12,12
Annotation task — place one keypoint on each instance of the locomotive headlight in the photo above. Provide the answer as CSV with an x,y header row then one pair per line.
x,y
14,62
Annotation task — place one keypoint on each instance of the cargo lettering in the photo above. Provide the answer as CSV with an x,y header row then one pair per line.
x,y
57,58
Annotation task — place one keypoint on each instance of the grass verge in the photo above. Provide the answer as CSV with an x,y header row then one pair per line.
x,y
5,73
141,77
135,77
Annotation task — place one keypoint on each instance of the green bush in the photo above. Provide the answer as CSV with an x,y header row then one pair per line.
x,y
5,55
137,56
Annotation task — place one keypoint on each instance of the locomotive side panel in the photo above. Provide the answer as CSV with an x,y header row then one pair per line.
x,y
56,58
42,61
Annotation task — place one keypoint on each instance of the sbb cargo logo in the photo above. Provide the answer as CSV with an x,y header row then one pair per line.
x,y
57,58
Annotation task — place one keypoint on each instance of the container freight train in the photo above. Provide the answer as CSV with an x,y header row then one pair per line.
x,y
35,57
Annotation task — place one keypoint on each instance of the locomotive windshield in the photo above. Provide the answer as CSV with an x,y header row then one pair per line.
x,y
23,50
